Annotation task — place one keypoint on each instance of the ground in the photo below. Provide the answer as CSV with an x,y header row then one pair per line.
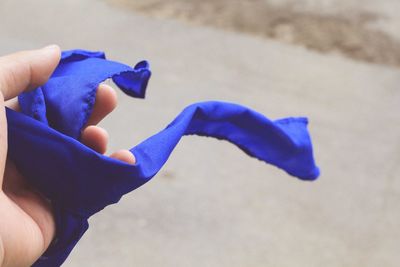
x,y
212,205
324,26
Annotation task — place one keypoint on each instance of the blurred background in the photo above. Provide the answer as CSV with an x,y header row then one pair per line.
x,y
335,61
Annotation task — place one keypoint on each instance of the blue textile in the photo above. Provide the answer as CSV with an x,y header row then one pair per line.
x,y
44,142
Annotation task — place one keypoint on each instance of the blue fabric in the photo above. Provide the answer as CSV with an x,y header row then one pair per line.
x,y
44,142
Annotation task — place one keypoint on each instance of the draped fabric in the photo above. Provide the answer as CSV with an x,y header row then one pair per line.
x,y
79,182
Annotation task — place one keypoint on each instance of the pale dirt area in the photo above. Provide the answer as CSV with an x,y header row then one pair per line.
x,y
212,205
345,27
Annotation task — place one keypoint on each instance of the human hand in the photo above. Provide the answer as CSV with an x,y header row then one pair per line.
x,y
27,225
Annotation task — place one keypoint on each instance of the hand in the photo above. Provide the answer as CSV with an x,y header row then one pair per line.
x,y
26,222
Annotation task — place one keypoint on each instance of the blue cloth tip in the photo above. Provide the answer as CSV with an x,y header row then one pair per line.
x,y
44,142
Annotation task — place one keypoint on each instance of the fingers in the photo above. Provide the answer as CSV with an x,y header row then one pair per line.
x,y
106,101
27,70
19,72
96,138
124,155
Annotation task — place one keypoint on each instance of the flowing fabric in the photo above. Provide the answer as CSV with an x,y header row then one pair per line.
x,y
79,182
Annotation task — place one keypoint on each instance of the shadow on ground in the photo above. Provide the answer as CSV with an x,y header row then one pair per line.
x,y
349,34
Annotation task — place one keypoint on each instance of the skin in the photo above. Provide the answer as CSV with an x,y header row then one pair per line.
x,y
26,223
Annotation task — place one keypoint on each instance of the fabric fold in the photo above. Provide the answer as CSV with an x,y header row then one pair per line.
x,y
44,142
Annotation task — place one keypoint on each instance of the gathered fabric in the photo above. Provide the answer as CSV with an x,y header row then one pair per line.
x,y
44,142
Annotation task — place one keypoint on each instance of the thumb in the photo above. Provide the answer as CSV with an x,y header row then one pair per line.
x,y
20,72
26,70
